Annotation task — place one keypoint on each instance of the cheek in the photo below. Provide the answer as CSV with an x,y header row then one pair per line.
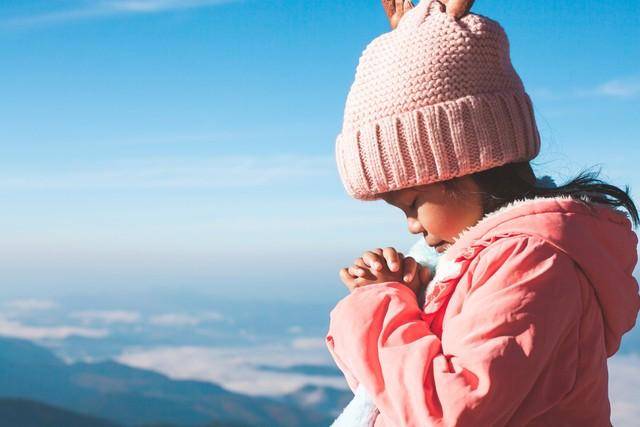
x,y
444,221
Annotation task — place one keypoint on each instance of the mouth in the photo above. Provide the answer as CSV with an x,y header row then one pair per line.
x,y
439,247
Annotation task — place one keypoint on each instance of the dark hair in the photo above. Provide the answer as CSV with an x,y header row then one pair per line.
x,y
511,181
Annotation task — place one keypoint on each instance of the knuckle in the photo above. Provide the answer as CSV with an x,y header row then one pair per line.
x,y
371,257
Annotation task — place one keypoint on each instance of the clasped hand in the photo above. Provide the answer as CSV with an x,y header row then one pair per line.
x,y
385,265
395,9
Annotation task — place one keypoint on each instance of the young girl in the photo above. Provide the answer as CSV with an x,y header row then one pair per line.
x,y
533,289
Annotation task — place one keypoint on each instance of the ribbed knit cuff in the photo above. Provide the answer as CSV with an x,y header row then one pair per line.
x,y
437,143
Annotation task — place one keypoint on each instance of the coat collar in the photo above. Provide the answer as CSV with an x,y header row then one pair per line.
x,y
518,207
448,265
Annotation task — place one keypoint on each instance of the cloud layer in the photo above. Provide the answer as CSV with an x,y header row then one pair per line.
x,y
237,368
11,328
183,319
106,316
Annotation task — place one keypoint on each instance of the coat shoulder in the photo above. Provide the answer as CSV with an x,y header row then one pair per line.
x,y
523,259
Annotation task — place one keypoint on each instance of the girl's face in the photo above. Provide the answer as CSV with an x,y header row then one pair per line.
x,y
431,211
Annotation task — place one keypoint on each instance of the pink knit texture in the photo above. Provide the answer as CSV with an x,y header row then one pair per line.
x,y
434,99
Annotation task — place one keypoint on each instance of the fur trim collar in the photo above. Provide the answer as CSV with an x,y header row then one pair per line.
x,y
462,235
447,267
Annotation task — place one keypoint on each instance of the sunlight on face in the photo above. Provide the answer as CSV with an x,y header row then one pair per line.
x,y
436,214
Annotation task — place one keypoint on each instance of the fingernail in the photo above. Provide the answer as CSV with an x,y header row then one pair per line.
x,y
407,278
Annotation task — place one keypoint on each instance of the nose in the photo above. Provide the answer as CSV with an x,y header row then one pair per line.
x,y
414,225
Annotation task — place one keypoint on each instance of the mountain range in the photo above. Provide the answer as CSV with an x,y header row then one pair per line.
x,y
37,381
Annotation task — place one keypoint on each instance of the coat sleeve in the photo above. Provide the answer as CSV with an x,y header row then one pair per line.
x,y
522,299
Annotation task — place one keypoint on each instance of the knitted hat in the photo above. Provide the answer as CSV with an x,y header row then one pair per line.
x,y
434,99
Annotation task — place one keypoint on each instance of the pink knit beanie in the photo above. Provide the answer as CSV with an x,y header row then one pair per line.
x,y
434,99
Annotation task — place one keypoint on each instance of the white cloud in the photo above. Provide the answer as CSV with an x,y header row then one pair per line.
x,y
295,329
106,316
30,304
26,308
105,8
235,367
624,383
182,319
177,173
15,329
141,6
309,344
627,87
624,88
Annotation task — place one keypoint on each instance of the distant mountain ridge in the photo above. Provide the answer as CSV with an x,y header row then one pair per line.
x,y
318,370
28,413
131,396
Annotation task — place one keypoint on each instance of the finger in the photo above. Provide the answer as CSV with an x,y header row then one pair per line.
x,y
393,260
360,281
359,262
369,271
344,274
361,269
347,279
356,271
373,260
457,8
408,5
410,267
399,6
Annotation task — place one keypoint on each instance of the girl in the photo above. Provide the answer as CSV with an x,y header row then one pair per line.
x,y
533,289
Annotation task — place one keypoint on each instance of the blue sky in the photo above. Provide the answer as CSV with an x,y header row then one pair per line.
x,y
168,144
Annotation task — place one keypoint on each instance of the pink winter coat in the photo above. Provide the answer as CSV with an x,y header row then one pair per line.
x,y
525,308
